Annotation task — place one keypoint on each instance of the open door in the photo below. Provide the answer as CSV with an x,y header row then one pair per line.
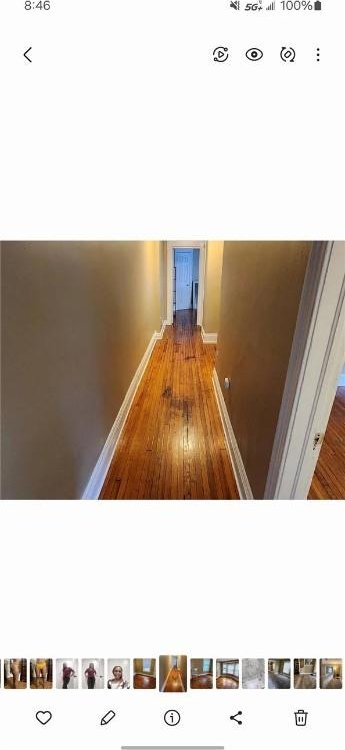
x,y
184,279
316,361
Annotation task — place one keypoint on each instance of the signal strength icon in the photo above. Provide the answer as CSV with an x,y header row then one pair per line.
x,y
271,6
235,4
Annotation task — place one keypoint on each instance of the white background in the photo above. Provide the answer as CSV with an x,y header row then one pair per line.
x,y
124,127
140,579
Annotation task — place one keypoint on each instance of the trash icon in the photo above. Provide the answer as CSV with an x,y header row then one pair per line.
x,y
301,718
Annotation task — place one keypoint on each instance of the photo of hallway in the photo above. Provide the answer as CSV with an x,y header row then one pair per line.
x,y
227,674
331,674
201,674
173,674
279,674
305,674
144,675
189,352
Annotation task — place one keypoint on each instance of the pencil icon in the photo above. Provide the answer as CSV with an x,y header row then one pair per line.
x,y
107,718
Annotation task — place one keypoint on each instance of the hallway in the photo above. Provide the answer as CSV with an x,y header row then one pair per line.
x,y
172,445
174,682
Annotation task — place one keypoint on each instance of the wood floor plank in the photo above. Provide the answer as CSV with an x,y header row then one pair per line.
x,y
329,477
172,445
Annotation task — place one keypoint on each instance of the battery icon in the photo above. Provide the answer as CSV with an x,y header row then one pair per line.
x,y
317,5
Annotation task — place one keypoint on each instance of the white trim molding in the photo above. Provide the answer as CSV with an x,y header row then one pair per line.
x,y
98,476
159,334
242,481
316,360
208,338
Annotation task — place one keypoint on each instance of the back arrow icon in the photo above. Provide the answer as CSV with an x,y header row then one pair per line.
x,y
26,54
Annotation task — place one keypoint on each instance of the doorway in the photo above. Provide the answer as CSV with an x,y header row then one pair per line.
x,y
328,481
316,360
185,279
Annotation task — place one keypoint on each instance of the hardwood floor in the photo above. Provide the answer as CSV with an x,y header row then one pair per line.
x,y
329,478
304,682
172,445
8,684
330,683
226,682
174,682
201,682
144,681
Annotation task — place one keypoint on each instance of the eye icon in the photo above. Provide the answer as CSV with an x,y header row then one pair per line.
x,y
254,54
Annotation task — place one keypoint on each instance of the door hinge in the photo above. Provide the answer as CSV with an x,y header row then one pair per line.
x,y
318,440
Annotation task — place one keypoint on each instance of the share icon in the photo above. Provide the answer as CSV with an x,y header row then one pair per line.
x,y
234,718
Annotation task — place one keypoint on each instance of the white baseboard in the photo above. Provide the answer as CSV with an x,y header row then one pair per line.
x,y
341,380
160,334
242,481
98,476
208,338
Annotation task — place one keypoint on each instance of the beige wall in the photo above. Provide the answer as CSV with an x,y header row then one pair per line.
x,y
261,288
76,321
138,666
213,280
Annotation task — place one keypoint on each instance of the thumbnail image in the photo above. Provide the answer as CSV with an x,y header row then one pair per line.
x,y
15,674
331,673
253,674
201,674
151,301
92,674
67,674
304,674
118,674
228,673
41,674
279,674
144,674
173,674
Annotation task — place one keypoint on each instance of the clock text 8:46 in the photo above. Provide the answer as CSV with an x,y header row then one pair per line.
x,y
38,5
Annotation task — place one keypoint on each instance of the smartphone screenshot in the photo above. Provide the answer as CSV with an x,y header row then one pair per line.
x,y
172,365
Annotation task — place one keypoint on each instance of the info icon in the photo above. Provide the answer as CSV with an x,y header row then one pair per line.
x,y
172,718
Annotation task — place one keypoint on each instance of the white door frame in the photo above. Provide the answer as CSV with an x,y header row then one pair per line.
x,y
316,361
188,245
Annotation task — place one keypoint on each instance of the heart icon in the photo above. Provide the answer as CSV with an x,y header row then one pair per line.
x,y
44,717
